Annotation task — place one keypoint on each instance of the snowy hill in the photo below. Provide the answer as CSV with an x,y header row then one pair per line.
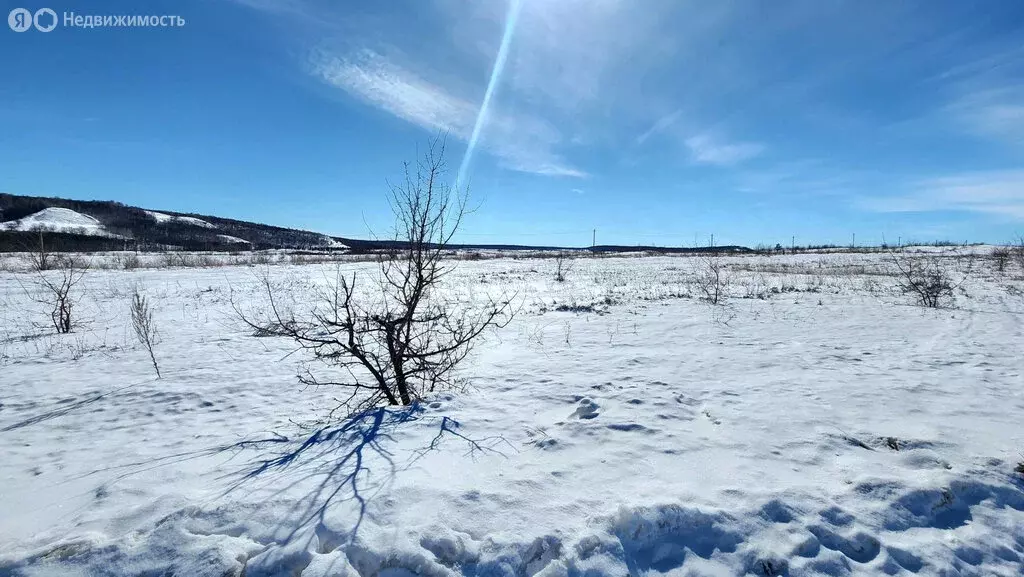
x,y
62,220
94,225
162,218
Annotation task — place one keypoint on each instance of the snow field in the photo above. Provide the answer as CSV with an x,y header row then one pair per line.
x,y
816,424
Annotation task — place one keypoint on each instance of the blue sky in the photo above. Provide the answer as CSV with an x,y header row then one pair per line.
x,y
655,122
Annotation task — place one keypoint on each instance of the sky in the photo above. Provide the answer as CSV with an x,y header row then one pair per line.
x,y
659,122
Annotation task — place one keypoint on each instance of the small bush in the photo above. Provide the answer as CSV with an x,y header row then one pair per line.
x,y
576,308
928,278
563,265
58,290
711,278
168,259
1000,258
142,322
130,261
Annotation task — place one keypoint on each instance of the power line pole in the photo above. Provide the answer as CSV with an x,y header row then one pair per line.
x,y
593,241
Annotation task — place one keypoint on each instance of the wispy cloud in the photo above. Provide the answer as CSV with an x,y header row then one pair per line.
x,y
806,177
373,79
660,125
520,142
718,83
707,149
996,112
999,193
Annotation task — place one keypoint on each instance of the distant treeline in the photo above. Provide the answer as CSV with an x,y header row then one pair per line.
x,y
17,241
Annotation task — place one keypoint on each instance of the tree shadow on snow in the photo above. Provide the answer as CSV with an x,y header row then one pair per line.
x,y
66,406
348,462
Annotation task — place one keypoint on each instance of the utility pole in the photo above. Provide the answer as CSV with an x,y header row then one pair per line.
x,y
593,242
793,243
712,240
853,243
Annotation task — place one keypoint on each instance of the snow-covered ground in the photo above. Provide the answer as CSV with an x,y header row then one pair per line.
x,y
55,219
232,239
162,218
817,423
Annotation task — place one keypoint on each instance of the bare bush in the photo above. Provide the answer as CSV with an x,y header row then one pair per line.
x,y
1001,257
185,259
711,278
7,263
928,277
401,337
204,261
129,261
57,288
1017,251
259,258
563,265
142,322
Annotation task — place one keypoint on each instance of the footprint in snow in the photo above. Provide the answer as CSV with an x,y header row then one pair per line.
x,y
586,410
688,401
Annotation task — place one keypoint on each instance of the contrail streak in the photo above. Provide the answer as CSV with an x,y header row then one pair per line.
x,y
499,66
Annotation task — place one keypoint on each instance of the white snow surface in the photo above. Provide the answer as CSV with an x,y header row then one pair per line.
x,y
55,219
233,239
330,242
163,218
829,428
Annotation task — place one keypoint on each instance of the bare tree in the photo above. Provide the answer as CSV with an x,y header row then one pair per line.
x,y
928,277
711,278
40,259
142,322
400,337
57,288
563,265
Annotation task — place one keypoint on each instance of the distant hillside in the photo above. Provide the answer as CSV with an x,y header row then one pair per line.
x,y
105,225
94,225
